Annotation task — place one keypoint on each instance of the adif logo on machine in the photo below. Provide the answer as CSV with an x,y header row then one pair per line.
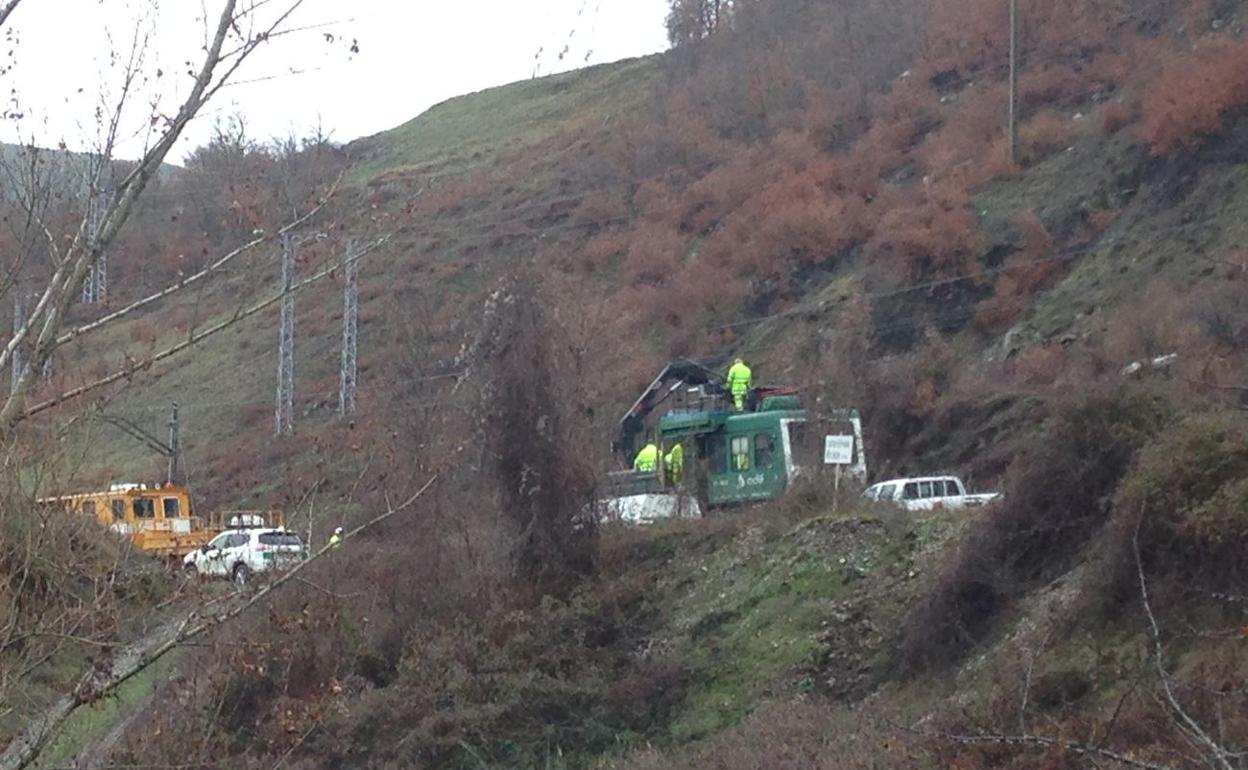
x,y
744,481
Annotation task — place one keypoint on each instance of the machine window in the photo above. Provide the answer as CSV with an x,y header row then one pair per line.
x,y
280,538
806,452
144,508
119,509
741,453
716,455
764,450
172,508
88,507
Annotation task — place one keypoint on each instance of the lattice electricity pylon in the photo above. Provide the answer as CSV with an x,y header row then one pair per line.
x,y
349,374
101,277
18,361
95,288
286,343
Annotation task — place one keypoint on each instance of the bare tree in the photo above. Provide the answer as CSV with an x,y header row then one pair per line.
x,y
692,20
241,28
62,581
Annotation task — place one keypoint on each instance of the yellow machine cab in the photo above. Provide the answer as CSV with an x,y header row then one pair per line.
x,y
159,518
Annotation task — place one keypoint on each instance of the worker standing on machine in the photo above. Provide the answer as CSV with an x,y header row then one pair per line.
x,y
740,380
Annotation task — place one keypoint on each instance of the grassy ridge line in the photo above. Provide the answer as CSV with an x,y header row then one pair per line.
x,y
462,134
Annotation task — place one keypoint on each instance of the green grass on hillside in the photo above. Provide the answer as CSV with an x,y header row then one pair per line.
x,y
91,724
464,133
753,620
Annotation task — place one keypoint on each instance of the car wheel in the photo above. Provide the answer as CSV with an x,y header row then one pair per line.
x,y
241,575
190,570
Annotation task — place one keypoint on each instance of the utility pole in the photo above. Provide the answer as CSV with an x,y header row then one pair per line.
x,y
172,450
1013,120
175,448
19,320
286,343
350,333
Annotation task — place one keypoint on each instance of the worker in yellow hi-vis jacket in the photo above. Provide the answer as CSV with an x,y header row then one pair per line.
x,y
740,380
647,459
675,461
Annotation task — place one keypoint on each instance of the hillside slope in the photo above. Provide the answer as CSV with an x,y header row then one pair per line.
x,y
850,226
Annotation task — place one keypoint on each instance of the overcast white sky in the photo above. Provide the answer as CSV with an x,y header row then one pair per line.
x,y
413,54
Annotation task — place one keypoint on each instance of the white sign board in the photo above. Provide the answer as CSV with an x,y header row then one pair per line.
x,y
838,450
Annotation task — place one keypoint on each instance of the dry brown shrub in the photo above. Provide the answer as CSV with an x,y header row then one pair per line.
x,y
603,206
654,254
795,222
603,247
1041,365
1044,134
927,233
1157,324
700,290
1113,116
965,35
725,189
1046,85
1187,102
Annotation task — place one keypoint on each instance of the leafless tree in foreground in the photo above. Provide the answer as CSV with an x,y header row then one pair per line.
x,y
241,28
59,579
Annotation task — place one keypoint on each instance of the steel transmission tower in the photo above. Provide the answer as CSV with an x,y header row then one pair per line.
x,y
348,376
286,343
19,320
96,286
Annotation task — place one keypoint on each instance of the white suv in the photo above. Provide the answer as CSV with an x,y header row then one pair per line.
x,y
239,553
927,494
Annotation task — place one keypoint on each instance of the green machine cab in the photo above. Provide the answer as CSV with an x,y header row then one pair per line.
x,y
734,457
752,456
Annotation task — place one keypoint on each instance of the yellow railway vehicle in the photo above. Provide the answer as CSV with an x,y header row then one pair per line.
x,y
159,519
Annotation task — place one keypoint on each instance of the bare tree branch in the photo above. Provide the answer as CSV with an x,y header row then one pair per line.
x,y
85,249
180,285
1040,740
1190,725
7,9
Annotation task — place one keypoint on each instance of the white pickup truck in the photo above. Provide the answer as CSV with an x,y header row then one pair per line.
x,y
927,493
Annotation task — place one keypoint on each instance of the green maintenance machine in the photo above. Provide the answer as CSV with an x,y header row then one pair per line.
x,y
735,457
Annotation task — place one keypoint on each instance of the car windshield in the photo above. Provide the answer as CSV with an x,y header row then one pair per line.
x,y
280,538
